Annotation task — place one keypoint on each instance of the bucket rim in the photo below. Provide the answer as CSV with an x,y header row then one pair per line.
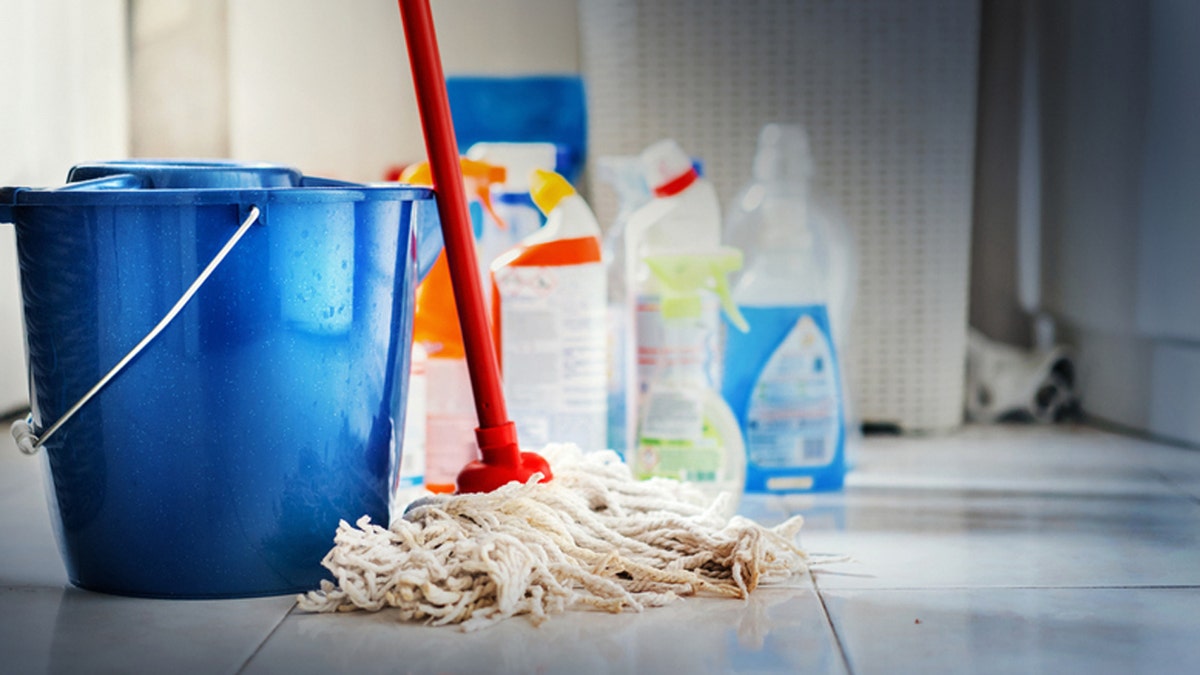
x,y
22,196
182,182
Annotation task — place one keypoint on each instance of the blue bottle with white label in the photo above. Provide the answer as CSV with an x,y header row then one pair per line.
x,y
782,377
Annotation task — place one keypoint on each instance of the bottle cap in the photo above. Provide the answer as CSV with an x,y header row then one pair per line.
x,y
668,169
783,154
548,189
519,158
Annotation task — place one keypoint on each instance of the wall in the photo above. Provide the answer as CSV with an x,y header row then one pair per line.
x,y
326,87
1094,105
1168,284
175,42
65,102
995,309
317,85
323,86
1119,94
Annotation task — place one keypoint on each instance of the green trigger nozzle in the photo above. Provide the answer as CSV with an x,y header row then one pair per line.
x,y
683,275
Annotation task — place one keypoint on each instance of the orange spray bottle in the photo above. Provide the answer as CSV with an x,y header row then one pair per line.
x,y
548,319
450,418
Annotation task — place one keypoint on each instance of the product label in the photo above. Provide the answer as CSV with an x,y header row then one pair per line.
x,y
784,387
674,415
450,421
553,340
411,472
616,377
674,437
653,352
408,478
676,441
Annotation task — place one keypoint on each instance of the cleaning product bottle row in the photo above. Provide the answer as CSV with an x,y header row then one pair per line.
x,y
620,344
778,367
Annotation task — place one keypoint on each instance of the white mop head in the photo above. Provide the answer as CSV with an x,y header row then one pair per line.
x,y
591,538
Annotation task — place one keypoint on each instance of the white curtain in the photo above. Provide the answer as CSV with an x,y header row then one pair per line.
x,y
66,102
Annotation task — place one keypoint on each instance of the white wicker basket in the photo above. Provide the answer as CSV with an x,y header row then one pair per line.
x,y
887,91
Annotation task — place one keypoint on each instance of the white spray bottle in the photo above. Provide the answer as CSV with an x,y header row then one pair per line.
x,y
682,223
683,216
511,198
686,430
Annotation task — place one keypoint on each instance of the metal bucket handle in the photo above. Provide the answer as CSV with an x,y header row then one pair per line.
x,y
28,440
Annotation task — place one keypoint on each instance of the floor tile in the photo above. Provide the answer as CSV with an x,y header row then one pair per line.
x,y
918,540
27,622
1058,631
1019,506
16,469
1180,468
948,561
29,555
1020,459
1019,549
69,630
1189,486
776,630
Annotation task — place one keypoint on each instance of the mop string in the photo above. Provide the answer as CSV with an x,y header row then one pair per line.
x,y
587,539
23,430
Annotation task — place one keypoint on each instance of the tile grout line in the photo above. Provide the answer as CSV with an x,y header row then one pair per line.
x,y
258,649
1093,587
837,639
1184,492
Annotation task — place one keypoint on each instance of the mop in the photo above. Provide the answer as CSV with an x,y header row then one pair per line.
x,y
593,538
518,538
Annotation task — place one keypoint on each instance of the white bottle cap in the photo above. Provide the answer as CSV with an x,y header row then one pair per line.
x,y
667,167
783,154
519,160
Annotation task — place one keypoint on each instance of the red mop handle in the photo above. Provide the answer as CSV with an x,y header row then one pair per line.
x,y
442,148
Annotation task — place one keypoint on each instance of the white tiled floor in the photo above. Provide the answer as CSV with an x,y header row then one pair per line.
x,y
1009,550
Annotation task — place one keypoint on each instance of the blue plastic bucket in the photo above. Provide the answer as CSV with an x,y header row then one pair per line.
x,y
220,460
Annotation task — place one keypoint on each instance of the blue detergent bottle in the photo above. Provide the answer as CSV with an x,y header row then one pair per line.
x,y
782,377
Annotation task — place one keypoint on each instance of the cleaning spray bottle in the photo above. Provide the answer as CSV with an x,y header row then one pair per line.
x,y
449,407
682,216
548,318
675,264
782,378
686,431
625,176
511,197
